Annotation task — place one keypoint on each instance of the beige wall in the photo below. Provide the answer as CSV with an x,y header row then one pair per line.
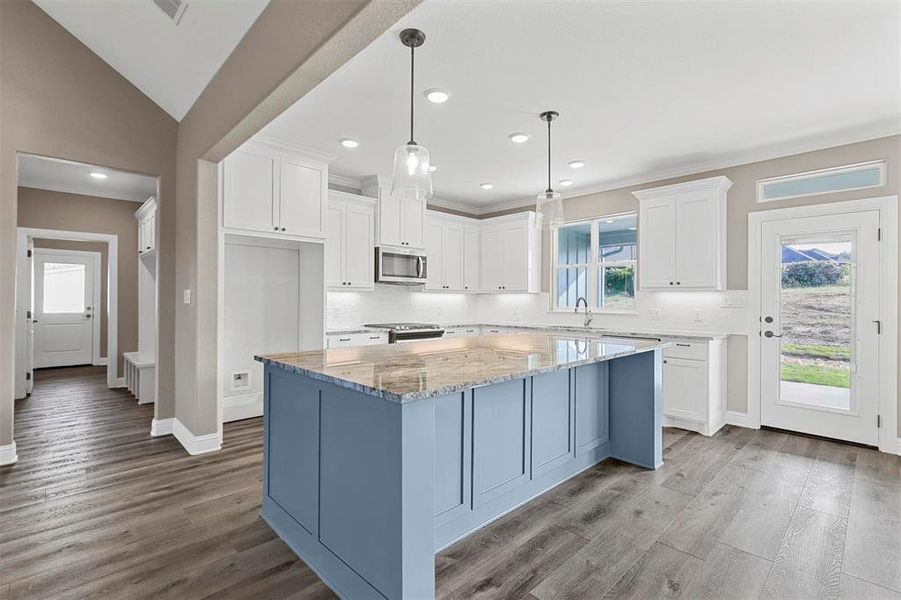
x,y
742,200
102,249
57,210
59,99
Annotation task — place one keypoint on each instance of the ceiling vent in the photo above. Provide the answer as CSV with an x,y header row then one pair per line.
x,y
174,8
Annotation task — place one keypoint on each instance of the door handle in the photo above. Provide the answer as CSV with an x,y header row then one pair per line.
x,y
770,334
419,265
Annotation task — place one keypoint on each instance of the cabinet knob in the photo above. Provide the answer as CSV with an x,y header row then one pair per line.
x,y
678,283
671,283
276,228
284,228
664,362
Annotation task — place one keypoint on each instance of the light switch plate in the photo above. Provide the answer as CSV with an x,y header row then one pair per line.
x,y
187,296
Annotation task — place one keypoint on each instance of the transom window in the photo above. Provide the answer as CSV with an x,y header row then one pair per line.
x,y
596,260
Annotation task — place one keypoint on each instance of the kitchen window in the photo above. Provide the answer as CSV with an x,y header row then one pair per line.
x,y
596,260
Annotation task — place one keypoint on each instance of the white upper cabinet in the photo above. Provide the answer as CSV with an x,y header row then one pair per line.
x,y
471,245
511,254
445,247
146,217
399,223
273,188
682,235
350,245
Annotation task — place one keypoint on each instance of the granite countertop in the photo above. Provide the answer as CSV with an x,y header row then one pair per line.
x,y
412,371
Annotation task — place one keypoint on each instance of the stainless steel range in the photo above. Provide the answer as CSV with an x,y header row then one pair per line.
x,y
409,332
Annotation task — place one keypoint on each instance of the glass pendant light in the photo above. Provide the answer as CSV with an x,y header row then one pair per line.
x,y
549,206
412,175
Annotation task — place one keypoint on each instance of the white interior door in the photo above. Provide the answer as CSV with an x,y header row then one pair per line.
x,y
819,311
29,322
64,307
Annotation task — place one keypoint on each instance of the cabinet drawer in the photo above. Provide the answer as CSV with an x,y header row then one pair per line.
x,y
692,350
356,339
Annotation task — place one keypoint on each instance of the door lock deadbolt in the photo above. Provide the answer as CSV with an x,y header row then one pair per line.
x,y
768,319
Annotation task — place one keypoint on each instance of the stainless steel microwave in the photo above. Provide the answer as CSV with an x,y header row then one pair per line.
x,y
404,266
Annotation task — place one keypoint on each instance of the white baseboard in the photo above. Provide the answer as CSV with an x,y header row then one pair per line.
x,y
8,454
101,362
195,444
740,419
236,408
118,382
161,427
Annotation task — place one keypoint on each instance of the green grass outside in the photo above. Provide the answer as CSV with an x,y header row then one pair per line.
x,y
817,351
816,374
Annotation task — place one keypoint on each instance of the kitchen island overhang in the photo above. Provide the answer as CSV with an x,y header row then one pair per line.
x,y
377,457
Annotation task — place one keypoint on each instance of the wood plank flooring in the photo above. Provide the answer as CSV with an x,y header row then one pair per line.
x,y
97,509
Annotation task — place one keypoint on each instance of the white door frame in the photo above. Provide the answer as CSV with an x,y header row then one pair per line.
x,y
96,259
23,293
888,302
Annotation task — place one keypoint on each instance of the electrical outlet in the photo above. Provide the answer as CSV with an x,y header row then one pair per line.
x,y
699,316
654,314
240,380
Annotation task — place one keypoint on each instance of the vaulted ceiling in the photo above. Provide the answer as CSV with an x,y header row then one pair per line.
x,y
170,62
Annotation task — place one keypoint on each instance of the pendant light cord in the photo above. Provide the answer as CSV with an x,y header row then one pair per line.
x,y
549,189
412,62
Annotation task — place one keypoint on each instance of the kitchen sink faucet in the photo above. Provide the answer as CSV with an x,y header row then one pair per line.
x,y
587,313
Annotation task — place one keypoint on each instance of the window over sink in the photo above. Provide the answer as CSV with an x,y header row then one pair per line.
x,y
596,259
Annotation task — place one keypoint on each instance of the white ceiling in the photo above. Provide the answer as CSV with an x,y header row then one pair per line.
x,y
643,89
75,178
170,63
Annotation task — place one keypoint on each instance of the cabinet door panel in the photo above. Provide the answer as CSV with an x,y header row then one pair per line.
x,y
412,214
250,191
292,413
492,259
359,253
434,251
453,257
684,388
334,247
452,465
301,198
389,219
471,259
500,444
696,242
552,423
657,244
516,258
591,402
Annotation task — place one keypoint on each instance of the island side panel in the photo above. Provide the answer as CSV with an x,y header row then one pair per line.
x,y
636,433
375,461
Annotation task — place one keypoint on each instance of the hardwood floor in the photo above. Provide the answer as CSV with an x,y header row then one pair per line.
x,y
97,509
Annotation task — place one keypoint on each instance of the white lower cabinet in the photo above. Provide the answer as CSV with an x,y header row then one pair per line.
x,y
366,338
694,385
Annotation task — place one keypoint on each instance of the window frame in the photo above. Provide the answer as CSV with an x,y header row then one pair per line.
x,y
594,267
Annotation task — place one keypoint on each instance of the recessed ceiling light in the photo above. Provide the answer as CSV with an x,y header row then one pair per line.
x,y
433,168
577,164
518,138
632,228
437,95
97,175
565,182
486,186
349,142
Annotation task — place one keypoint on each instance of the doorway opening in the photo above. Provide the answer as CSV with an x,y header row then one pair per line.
x,y
822,281
86,241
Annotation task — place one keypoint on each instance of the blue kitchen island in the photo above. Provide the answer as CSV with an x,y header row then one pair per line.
x,y
377,457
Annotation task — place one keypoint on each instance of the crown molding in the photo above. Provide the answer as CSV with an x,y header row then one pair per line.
x,y
79,191
345,181
285,146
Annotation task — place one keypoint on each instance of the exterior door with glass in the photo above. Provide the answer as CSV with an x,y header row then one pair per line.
x,y
819,325
66,285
